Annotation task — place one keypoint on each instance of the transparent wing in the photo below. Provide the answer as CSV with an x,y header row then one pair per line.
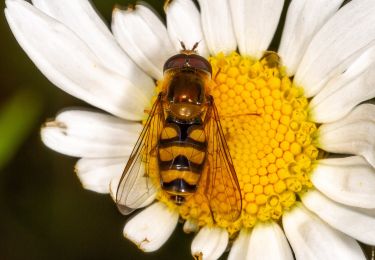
x,y
222,187
136,189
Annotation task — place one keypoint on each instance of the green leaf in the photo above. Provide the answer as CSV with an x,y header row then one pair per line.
x,y
18,116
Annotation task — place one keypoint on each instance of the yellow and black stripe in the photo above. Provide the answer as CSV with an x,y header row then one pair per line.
x,y
181,154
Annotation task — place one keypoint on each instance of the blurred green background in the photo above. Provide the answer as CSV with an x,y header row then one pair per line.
x,y
44,211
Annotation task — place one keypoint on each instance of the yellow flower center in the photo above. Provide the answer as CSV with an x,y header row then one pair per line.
x,y
265,121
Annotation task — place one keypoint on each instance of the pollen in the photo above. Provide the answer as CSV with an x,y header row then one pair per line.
x,y
270,138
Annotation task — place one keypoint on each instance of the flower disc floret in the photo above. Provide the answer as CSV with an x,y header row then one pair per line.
x,y
265,122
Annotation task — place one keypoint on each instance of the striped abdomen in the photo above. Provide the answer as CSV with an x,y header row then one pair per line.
x,y
181,154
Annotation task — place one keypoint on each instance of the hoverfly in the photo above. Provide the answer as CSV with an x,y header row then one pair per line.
x,y
184,139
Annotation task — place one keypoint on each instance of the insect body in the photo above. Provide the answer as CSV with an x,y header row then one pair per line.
x,y
183,144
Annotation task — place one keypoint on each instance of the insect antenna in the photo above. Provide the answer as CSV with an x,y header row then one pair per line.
x,y
195,46
183,45
189,51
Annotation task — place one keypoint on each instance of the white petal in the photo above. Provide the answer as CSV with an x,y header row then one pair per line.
x,y
152,227
344,92
240,247
217,26
304,19
344,37
210,243
352,160
89,134
96,174
313,239
82,18
184,24
354,134
255,23
68,63
113,185
144,37
352,184
190,226
267,241
355,222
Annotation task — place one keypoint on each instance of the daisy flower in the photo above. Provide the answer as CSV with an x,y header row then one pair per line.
x,y
305,164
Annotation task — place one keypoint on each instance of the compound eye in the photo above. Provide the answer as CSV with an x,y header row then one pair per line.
x,y
198,62
175,62
192,61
